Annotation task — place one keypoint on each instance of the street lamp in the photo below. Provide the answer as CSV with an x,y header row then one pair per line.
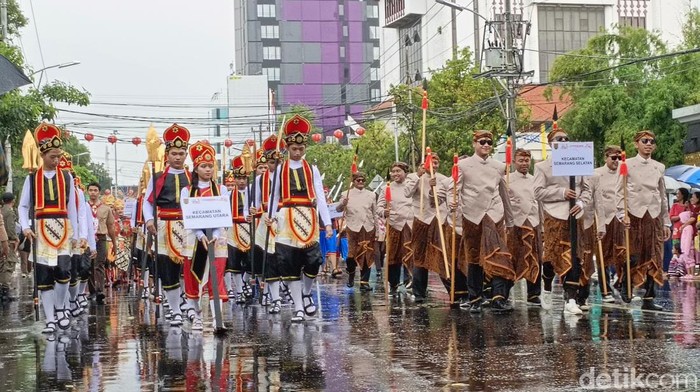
x,y
79,155
460,8
62,65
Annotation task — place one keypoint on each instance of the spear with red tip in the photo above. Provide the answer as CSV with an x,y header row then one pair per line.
x,y
455,174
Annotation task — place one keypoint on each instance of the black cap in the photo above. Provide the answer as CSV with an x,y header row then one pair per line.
x,y
7,196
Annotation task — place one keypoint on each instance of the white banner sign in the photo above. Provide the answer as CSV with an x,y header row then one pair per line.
x,y
129,207
206,212
572,159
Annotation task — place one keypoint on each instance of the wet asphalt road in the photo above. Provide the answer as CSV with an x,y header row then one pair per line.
x,y
356,343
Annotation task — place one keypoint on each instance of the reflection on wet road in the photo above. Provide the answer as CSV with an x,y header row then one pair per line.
x,y
356,343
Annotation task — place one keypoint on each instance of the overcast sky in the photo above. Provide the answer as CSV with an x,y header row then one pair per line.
x,y
152,52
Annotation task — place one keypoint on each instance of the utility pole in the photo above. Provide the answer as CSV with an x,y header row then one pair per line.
x,y
477,35
511,116
8,146
453,15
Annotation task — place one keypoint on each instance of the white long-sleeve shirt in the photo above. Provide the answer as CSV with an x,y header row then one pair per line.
x,y
90,223
148,207
185,194
321,205
25,202
82,215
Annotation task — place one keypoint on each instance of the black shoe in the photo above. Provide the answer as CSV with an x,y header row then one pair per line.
x,y
365,287
624,296
534,301
351,279
394,291
100,299
476,307
648,304
464,303
419,299
500,305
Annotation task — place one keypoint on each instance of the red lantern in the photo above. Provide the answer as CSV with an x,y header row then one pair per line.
x,y
88,136
316,137
112,139
360,132
338,134
228,143
136,141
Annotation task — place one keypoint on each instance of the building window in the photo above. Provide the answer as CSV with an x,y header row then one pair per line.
x,y
341,10
373,32
271,53
372,11
376,53
266,11
410,56
375,95
637,22
345,31
273,74
270,32
342,52
563,29
374,74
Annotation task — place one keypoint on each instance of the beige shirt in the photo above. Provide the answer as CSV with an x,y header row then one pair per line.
x,y
550,191
482,190
103,216
361,210
10,218
646,191
442,186
401,206
3,233
604,187
522,199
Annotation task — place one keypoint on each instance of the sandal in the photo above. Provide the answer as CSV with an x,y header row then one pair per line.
x,y
62,319
49,328
298,316
309,305
176,321
75,309
240,298
337,273
82,301
265,300
191,314
287,295
276,306
247,290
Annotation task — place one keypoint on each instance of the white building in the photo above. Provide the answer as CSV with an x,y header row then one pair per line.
x,y
417,35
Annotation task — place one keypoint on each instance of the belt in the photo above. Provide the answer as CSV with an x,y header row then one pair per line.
x,y
102,236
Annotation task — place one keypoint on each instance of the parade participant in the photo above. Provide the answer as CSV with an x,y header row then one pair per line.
x,y
52,194
524,239
329,246
426,240
483,196
267,160
140,245
610,230
554,194
197,245
301,202
165,199
238,234
648,220
399,218
79,251
103,223
8,250
360,208
229,181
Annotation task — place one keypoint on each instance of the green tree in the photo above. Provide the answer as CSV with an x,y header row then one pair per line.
x,y
23,110
613,103
459,103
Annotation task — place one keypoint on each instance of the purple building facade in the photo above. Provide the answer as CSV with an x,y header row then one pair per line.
x,y
323,54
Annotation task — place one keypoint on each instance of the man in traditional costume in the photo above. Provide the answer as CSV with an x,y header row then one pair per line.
x,y
51,195
170,231
239,234
610,230
301,202
266,163
426,241
360,208
648,220
197,246
524,239
482,194
554,193
398,213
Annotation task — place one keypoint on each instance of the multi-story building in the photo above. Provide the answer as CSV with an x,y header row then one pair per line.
x,y
323,54
420,35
